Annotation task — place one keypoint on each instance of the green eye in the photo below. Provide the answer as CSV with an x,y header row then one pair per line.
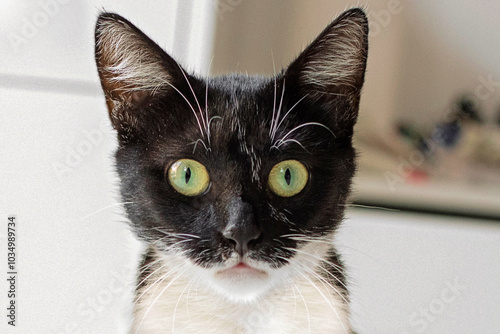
x,y
288,178
188,177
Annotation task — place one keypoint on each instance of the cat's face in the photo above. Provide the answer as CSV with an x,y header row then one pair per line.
x,y
236,180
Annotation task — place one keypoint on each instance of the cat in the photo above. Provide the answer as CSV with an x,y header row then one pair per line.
x,y
236,183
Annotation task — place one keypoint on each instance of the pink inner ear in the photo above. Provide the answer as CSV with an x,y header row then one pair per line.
x,y
334,63
131,66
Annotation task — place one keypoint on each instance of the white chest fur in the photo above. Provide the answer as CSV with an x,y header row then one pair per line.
x,y
183,306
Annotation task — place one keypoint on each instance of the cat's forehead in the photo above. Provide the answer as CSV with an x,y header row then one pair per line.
x,y
240,107
235,84
222,121
248,118
229,132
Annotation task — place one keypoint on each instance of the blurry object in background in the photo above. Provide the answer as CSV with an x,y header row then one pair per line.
x,y
462,145
453,165
466,145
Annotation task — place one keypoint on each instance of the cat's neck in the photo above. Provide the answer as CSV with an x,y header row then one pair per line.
x,y
187,305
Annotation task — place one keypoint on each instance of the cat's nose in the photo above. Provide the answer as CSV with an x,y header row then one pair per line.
x,y
241,229
241,237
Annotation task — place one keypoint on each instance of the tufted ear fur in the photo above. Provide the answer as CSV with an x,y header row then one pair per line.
x,y
132,68
331,69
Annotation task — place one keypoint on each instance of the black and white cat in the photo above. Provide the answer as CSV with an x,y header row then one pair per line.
x,y
236,183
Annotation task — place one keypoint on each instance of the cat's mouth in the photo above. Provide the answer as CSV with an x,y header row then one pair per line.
x,y
241,270
241,280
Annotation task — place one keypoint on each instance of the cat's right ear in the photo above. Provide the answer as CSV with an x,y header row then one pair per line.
x,y
132,68
331,70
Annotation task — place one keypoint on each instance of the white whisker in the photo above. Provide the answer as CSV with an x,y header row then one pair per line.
x,y
330,274
146,278
324,297
190,105
206,112
288,112
194,95
280,141
292,141
278,113
305,305
154,284
103,209
178,301
195,143
187,235
336,266
149,265
159,295
274,110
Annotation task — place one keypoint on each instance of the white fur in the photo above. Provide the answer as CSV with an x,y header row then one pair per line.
x,y
255,160
127,59
290,300
341,55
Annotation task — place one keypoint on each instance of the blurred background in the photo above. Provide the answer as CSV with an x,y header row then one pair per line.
x,y
422,237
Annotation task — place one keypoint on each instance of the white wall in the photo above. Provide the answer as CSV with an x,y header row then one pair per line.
x,y
403,268
54,38
422,53
76,259
261,37
449,48
74,255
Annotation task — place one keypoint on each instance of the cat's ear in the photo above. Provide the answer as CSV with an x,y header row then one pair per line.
x,y
333,65
131,67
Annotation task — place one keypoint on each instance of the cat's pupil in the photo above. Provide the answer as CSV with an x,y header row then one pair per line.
x,y
288,176
188,175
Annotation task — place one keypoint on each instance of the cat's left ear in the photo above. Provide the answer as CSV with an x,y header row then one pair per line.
x,y
332,67
132,69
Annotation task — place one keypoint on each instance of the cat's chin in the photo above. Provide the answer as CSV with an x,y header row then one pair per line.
x,y
242,282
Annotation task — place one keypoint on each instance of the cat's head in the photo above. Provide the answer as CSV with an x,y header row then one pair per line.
x,y
240,180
